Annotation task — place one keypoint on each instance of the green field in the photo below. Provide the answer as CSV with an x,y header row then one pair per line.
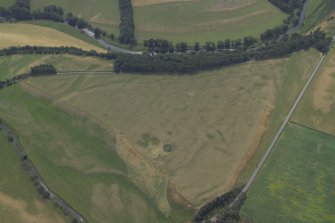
x,y
102,13
295,185
204,20
19,200
190,21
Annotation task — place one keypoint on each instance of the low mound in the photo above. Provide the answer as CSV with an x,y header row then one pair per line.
x,y
27,34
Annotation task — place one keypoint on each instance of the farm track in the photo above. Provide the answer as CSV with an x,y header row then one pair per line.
x,y
283,125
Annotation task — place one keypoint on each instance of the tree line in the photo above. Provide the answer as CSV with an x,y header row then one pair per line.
x,y
55,50
37,179
219,202
21,11
43,69
197,61
288,6
165,46
291,7
189,63
127,24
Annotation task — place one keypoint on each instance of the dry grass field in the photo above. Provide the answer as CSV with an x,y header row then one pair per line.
x,y
214,121
317,109
27,34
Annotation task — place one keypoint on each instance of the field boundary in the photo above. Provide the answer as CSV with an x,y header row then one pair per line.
x,y
311,128
285,121
283,125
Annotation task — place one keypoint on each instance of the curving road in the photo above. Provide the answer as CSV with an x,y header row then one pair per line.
x,y
108,45
301,19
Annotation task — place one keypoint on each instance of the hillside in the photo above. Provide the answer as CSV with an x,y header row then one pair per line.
x,y
26,34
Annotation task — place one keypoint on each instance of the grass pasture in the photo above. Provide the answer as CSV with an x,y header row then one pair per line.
x,y
18,64
102,13
19,200
203,20
295,185
179,20
77,159
203,116
317,11
317,108
20,34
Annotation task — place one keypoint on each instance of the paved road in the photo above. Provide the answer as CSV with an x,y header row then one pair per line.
x,y
281,129
108,45
301,19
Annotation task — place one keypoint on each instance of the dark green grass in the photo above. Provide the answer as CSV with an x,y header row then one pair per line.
x,y
296,183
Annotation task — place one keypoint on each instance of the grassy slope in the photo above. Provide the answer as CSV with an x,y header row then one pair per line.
x,y
18,64
99,179
26,34
77,159
104,13
204,20
19,200
68,30
296,182
317,109
201,114
317,11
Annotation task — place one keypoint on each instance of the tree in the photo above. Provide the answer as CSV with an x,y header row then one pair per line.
x,y
197,46
210,46
81,23
227,44
97,33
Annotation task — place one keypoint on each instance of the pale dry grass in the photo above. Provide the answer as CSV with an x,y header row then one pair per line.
x,y
215,120
21,209
212,119
27,34
317,108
